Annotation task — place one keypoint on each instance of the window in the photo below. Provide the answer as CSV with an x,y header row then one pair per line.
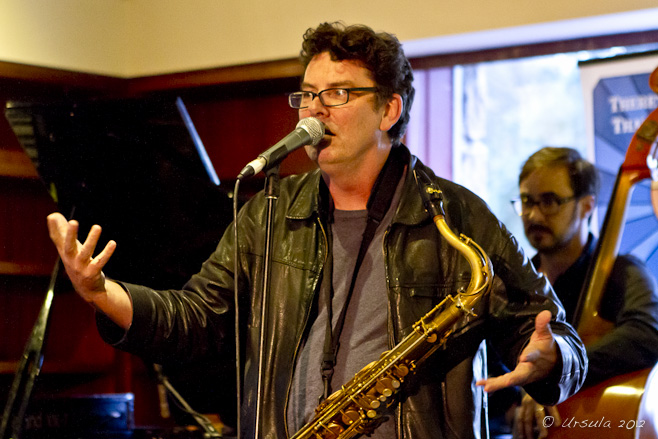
x,y
500,113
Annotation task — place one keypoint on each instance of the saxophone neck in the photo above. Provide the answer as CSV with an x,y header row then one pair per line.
x,y
430,193
479,261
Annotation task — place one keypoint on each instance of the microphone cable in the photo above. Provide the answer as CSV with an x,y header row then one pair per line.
x,y
238,378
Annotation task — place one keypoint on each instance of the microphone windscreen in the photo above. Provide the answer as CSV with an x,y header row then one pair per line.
x,y
313,127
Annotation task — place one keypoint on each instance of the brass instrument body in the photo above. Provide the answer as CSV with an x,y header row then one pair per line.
x,y
360,405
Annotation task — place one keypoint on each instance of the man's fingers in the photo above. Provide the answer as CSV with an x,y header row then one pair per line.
x,y
540,415
517,432
87,249
500,382
528,423
543,324
65,236
71,238
57,226
105,255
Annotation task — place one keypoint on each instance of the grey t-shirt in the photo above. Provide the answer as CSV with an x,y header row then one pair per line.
x,y
364,336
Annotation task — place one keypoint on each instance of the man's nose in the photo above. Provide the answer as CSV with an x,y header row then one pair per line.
x,y
533,212
316,107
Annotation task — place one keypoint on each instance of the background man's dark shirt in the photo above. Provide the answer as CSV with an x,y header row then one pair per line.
x,y
630,301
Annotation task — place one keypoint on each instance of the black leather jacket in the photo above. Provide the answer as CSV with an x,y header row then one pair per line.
x,y
421,269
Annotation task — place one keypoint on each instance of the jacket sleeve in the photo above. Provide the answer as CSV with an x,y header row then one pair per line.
x,y
519,294
181,325
631,301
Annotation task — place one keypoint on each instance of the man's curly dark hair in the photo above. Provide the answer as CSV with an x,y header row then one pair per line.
x,y
381,53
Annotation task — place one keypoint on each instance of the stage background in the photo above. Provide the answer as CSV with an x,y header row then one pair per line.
x,y
617,100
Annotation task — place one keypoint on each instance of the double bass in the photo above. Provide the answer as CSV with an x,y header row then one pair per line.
x,y
625,406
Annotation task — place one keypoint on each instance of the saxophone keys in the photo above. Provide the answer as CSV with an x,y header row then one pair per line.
x,y
370,402
384,391
334,430
387,386
401,370
350,416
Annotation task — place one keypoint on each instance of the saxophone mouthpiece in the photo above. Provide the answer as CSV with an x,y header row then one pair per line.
x,y
430,193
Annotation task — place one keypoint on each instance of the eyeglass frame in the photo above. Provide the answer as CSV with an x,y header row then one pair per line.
x,y
518,203
319,95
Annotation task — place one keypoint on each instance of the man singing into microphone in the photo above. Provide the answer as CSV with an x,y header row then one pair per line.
x,y
362,200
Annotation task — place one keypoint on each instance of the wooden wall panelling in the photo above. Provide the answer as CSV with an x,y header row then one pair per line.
x,y
236,130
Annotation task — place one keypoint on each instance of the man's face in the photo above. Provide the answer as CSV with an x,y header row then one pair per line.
x,y
552,233
354,131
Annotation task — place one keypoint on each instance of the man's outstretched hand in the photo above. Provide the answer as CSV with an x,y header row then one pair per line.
x,y
535,362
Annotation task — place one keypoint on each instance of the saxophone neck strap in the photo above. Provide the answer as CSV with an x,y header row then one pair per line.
x,y
378,204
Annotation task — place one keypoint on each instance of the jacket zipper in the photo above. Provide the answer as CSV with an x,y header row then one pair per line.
x,y
391,328
299,340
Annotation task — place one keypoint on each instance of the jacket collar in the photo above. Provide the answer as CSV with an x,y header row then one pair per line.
x,y
307,201
410,210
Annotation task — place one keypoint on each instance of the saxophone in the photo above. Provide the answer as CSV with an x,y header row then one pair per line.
x,y
358,407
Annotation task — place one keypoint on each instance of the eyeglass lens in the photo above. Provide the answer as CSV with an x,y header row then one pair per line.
x,y
548,203
329,97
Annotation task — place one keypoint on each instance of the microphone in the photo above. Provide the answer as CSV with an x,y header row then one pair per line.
x,y
309,131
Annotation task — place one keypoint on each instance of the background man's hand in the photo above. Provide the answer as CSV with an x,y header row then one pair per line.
x,y
529,419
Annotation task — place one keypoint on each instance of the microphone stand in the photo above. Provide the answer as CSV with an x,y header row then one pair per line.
x,y
272,195
209,430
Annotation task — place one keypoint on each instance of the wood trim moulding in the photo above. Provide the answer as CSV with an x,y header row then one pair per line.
x,y
262,71
528,50
81,81
57,77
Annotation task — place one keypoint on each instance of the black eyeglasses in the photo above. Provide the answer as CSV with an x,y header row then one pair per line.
x,y
331,97
549,203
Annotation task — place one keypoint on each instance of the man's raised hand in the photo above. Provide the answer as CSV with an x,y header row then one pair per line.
x,y
84,270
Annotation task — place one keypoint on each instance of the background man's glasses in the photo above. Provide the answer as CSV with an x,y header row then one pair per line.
x,y
549,203
331,97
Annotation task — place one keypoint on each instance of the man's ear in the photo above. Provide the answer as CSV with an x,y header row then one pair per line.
x,y
392,112
587,203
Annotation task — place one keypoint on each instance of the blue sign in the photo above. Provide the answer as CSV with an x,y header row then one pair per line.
x,y
620,105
